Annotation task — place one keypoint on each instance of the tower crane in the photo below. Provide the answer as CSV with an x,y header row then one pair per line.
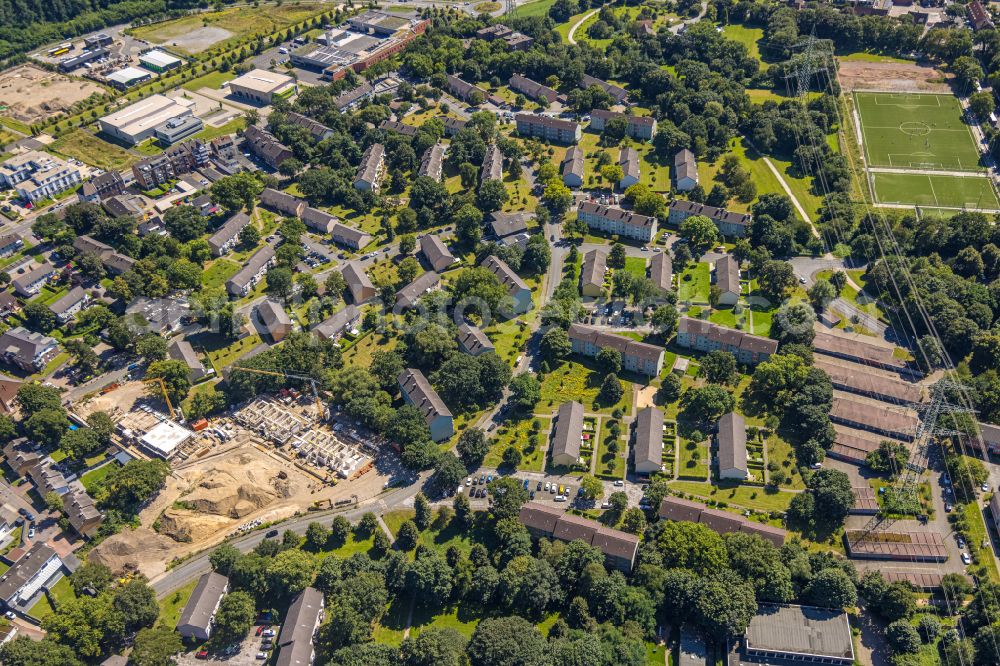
x,y
163,387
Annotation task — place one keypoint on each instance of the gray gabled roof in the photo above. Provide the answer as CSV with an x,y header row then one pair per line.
x,y
421,394
336,324
408,295
727,274
732,442
648,447
24,569
296,637
204,600
569,430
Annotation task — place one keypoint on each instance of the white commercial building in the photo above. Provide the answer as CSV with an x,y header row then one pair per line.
x,y
165,438
262,87
37,175
138,122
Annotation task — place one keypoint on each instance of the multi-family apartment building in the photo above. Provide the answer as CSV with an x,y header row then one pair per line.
x,y
640,357
612,220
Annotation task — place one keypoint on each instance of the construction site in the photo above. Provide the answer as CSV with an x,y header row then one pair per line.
x,y
264,461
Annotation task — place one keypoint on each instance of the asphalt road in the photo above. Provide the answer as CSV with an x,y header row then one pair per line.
x,y
196,566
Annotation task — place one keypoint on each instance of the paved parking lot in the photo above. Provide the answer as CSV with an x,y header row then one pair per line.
x,y
246,656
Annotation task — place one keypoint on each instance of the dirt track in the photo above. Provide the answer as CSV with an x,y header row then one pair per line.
x,y
891,77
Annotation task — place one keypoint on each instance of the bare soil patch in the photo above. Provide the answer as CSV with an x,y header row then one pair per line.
x,y
31,93
892,77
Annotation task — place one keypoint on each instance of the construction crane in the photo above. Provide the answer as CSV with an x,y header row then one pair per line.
x,y
320,410
163,387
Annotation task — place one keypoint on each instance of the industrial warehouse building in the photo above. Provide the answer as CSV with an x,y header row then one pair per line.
x,y
137,122
262,87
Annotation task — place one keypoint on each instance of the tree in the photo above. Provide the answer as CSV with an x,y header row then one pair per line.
x,y
609,359
633,521
511,457
435,647
317,537
700,233
448,471
889,458
136,602
155,647
335,285
184,223
831,489
492,196
611,390
902,636
537,255
236,192
174,375
80,443
234,618
612,174
981,103
724,606
280,281
507,496
966,473
224,558
793,323
616,257
34,397
84,624
719,367
821,293
39,317
91,577
591,487
408,535
525,391
507,641
665,319
422,511
555,345
151,347
25,651
468,222
290,572
832,588
407,243
128,487
476,286
557,196
472,447
707,403
775,279
47,426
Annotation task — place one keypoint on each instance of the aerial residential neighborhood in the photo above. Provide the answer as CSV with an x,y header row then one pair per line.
x,y
535,333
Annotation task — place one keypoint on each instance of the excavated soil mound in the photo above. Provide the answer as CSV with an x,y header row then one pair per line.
x,y
141,548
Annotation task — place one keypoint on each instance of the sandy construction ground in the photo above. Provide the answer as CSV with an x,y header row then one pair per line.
x,y
208,498
31,93
891,77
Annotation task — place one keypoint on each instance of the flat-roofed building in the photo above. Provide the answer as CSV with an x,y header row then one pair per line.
x,y
252,273
647,448
858,348
533,89
642,128
548,128
198,615
692,650
661,271
616,221
593,270
177,129
572,168
436,252
568,434
282,202
28,575
628,160
159,61
518,293
727,279
731,438
37,175
618,94
730,224
90,55
358,283
181,350
432,163
340,322
472,340
275,320
66,307
516,41
417,391
262,87
408,296
372,168
872,415
295,642
706,336
266,146
32,282
316,129
548,522
640,357
685,171
778,634
227,236
137,122
492,164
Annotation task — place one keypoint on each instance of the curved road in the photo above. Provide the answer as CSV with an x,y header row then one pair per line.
x,y
572,31
194,567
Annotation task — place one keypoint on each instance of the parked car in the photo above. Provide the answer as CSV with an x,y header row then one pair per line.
x,y
271,533
619,483
966,559
202,655
539,486
547,486
948,507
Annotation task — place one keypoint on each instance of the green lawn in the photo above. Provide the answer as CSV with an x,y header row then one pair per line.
x,y
537,8
693,459
750,497
977,535
232,127
745,35
63,591
42,608
576,381
218,272
437,537
225,356
636,266
94,477
212,80
523,436
363,350
694,283
172,605
926,190
610,465
90,149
